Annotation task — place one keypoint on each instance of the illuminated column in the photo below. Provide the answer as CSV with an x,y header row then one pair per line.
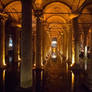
x,y
38,14
70,47
77,41
67,47
34,48
85,50
2,42
17,45
64,44
88,70
73,51
42,46
26,45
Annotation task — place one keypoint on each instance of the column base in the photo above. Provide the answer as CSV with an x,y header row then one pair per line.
x,y
69,62
38,68
75,67
3,67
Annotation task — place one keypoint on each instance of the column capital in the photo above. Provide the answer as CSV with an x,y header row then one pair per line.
x,y
38,13
4,17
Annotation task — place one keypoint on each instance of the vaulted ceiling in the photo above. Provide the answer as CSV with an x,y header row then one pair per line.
x,y
57,14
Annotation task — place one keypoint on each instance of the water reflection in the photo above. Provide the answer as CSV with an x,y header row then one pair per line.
x,y
41,75
9,78
4,71
72,81
66,67
4,76
55,80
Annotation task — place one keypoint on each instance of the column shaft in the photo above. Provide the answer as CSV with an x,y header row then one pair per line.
x,y
77,42
2,33
26,45
38,38
85,50
70,47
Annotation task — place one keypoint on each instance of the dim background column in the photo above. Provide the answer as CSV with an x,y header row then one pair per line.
x,y
4,17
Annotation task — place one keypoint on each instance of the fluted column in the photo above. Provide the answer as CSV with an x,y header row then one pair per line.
x,y
38,14
2,40
26,45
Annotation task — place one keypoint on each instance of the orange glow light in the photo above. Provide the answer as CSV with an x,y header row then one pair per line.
x,y
73,57
3,75
72,81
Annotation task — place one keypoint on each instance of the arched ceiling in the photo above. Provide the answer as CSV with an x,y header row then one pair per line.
x,y
85,18
56,13
73,4
4,3
61,11
14,10
56,8
55,25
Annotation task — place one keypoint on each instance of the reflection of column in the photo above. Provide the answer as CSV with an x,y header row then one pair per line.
x,y
2,35
26,45
38,14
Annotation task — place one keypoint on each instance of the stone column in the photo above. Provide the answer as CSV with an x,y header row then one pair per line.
x,y
42,46
26,45
2,40
17,45
88,72
64,44
70,47
38,14
85,50
34,48
77,41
